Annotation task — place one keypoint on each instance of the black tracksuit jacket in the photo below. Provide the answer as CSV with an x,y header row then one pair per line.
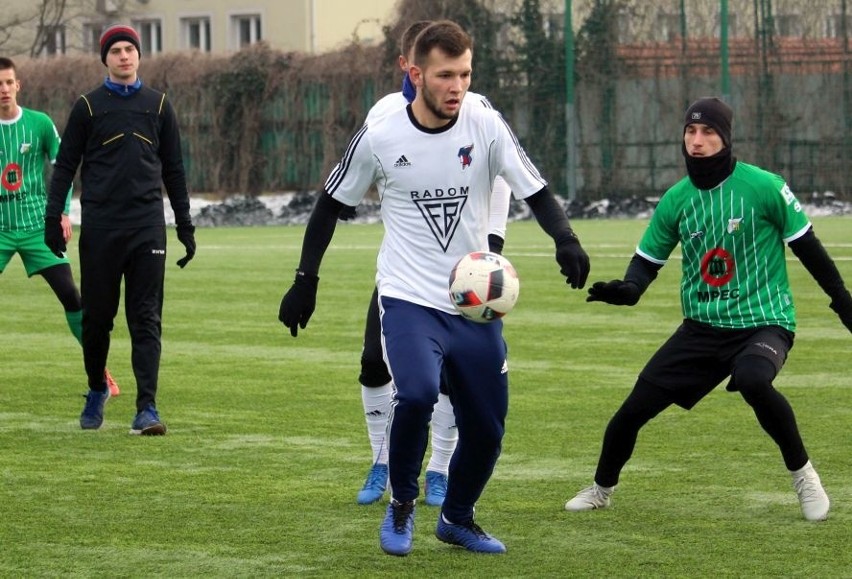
x,y
129,146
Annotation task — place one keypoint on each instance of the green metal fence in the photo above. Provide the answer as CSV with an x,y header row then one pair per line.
x,y
263,121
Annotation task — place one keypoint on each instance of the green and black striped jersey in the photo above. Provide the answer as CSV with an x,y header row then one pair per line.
x,y
732,242
26,142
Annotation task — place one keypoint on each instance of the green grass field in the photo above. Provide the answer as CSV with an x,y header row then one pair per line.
x,y
267,445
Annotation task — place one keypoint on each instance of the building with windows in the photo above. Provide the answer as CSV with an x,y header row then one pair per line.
x,y
215,26
39,27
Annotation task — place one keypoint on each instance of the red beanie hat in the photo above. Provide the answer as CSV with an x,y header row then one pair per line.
x,y
115,33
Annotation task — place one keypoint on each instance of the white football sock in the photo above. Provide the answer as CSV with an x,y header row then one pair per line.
x,y
377,403
605,490
797,474
444,435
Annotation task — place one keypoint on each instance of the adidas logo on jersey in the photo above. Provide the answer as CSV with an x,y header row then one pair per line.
x,y
402,162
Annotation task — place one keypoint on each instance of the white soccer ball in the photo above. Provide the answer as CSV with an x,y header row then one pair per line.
x,y
484,286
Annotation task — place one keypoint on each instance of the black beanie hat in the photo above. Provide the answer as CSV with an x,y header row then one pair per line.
x,y
115,33
711,111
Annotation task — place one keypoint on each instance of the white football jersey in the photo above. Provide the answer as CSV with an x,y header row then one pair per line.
x,y
500,191
435,188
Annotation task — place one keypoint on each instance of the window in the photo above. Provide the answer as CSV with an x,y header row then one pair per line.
x,y
52,40
624,28
150,36
245,30
668,27
107,7
553,24
788,25
732,26
92,37
195,33
834,26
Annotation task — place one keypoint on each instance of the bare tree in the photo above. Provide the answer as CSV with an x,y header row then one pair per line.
x,y
37,27
49,15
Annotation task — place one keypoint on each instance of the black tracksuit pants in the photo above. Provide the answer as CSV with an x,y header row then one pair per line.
x,y
138,256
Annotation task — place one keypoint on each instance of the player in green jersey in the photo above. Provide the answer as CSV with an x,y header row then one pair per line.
x,y
27,139
732,221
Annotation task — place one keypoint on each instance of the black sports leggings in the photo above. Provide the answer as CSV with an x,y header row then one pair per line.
x,y
61,281
753,376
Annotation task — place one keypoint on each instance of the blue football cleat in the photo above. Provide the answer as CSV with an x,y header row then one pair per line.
x,y
93,411
147,422
436,488
397,531
375,485
468,535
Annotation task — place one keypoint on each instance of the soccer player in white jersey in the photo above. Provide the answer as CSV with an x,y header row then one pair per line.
x,y
732,221
435,210
375,380
28,138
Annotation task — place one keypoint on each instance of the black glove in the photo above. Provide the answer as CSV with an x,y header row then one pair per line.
x,y
495,243
186,235
843,307
616,292
348,212
573,260
54,239
297,305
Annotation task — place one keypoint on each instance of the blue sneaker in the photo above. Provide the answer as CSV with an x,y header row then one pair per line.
x,y
93,412
468,535
147,422
375,485
397,531
436,488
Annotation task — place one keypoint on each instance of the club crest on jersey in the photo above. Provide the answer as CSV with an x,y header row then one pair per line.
x,y
465,156
443,216
25,148
734,224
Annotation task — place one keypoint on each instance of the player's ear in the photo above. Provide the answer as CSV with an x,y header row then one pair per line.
x,y
416,74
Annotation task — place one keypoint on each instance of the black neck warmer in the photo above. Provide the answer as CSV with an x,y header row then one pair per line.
x,y
707,172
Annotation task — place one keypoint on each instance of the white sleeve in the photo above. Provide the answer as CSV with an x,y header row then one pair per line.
x,y
514,165
500,194
349,181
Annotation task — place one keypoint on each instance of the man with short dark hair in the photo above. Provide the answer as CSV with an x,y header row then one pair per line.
x,y
435,211
28,138
376,382
126,136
